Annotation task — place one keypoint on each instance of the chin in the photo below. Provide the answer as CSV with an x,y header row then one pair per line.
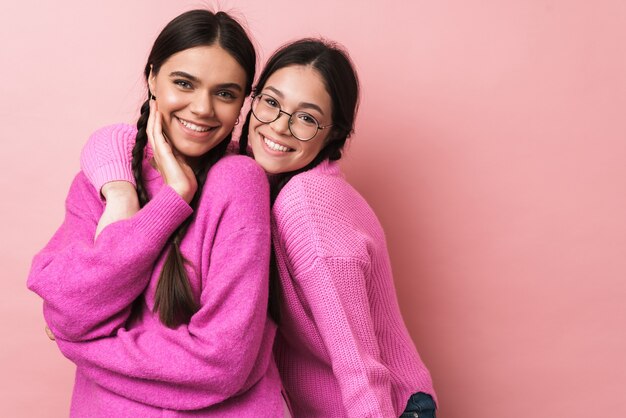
x,y
193,149
269,168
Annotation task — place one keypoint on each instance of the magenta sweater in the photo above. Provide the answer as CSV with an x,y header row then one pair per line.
x,y
342,347
218,365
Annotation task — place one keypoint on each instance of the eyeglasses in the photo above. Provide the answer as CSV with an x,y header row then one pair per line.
x,y
302,125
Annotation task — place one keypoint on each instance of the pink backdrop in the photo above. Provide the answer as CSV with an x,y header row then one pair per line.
x,y
491,141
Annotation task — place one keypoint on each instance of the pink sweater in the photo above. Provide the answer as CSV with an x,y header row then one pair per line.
x,y
218,365
342,347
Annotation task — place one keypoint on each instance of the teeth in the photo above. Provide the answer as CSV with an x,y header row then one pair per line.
x,y
193,126
275,146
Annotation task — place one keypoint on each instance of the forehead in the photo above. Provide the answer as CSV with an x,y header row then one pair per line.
x,y
210,64
299,84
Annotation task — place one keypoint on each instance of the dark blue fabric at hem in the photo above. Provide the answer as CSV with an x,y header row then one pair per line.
x,y
420,405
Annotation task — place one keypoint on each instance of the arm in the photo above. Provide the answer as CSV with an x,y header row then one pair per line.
x,y
216,355
88,286
90,304
121,203
335,291
107,155
322,249
106,161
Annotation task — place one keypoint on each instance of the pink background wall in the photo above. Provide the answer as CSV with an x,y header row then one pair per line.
x,y
491,142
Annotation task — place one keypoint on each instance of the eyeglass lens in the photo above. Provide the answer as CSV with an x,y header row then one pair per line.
x,y
301,124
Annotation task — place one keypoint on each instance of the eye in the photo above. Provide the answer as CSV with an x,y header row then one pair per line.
x,y
270,101
306,119
183,84
226,94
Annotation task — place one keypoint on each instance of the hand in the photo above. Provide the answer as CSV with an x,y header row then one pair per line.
x,y
172,166
122,203
50,334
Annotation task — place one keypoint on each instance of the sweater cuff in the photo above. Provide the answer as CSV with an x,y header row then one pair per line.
x,y
112,172
160,217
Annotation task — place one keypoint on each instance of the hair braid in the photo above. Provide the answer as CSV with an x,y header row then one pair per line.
x,y
243,137
174,298
138,151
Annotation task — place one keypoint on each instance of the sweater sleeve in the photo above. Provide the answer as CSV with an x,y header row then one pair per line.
x,y
88,287
322,248
107,155
334,289
213,357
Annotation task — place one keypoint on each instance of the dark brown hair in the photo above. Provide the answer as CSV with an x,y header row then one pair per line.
x,y
342,85
174,300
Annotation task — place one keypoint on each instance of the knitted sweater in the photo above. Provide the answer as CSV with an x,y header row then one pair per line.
x,y
220,363
342,347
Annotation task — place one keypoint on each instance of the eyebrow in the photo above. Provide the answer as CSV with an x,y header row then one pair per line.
x,y
195,79
302,104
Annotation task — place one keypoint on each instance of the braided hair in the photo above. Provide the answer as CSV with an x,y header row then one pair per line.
x,y
174,299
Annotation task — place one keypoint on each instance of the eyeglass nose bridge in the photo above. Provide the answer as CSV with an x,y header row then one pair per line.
x,y
289,117
289,120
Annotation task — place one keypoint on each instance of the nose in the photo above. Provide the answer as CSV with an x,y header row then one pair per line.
x,y
202,105
281,125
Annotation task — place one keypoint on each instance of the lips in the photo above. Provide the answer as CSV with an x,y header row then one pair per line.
x,y
194,126
274,146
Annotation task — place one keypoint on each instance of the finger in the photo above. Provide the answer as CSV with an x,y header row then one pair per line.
x,y
158,140
159,137
50,334
165,151
150,125
183,164
161,140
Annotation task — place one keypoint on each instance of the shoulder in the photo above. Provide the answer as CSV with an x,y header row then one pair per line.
x,y
235,198
322,189
237,169
320,211
237,178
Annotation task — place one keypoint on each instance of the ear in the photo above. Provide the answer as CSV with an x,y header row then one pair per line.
x,y
152,82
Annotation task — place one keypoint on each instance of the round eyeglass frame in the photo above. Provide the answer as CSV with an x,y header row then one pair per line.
x,y
256,97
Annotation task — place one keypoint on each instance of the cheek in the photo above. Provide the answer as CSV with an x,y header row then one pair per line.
x,y
227,113
254,124
311,149
169,101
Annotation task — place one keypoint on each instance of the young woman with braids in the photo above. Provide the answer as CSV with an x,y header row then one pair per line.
x,y
165,312
342,347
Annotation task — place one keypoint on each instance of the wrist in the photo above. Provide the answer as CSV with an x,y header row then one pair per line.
x,y
185,193
119,190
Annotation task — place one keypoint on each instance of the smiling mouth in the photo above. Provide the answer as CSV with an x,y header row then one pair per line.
x,y
196,128
276,147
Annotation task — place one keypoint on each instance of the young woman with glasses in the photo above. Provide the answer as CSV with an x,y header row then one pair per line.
x,y
165,313
342,347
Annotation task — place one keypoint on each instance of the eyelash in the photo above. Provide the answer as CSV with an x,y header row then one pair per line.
x,y
227,95
183,83
270,101
224,94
